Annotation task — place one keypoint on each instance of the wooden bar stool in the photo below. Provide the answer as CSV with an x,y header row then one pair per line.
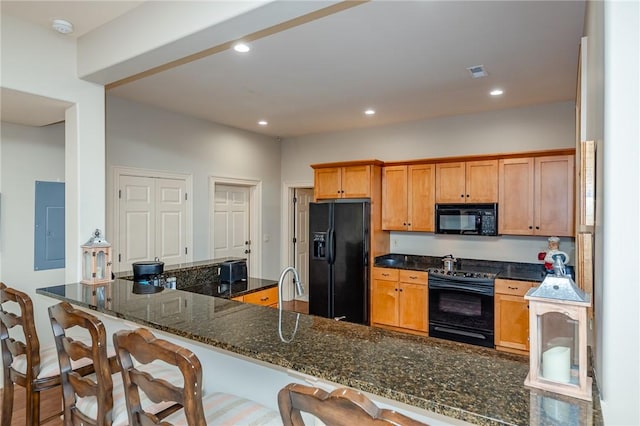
x,y
24,363
192,408
342,407
99,398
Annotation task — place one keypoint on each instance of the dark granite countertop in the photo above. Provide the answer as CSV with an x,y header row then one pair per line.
x,y
202,277
465,382
505,270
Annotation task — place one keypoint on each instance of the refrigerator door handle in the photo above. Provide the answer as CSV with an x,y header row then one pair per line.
x,y
331,246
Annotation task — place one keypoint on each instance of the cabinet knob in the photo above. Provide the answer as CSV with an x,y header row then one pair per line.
x,y
395,289
400,289
413,277
264,299
385,275
512,288
537,227
404,223
467,195
409,224
531,227
461,195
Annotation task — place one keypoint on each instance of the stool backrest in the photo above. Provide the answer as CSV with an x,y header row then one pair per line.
x,y
74,386
342,407
142,345
16,345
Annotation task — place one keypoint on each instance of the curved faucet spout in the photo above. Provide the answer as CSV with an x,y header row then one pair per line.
x,y
299,292
296,281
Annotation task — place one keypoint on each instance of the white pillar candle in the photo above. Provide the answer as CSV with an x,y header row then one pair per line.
x,y
556,364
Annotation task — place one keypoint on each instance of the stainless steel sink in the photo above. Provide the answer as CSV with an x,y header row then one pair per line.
x,y
389,262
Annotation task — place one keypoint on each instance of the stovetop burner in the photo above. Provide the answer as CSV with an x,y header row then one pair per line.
x,y
463,274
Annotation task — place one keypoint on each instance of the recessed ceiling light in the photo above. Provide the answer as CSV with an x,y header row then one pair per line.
x,y
496,92
241,48
370,111
263,122
62,26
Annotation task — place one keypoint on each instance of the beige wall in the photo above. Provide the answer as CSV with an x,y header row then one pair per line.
x,y
540,127
618,228
150,138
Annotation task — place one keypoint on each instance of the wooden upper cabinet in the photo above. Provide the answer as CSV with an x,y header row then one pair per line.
x,y
394,198
450,183
536,196
515,201
467,182
408,198
422,197
342,182
482,181
554,195
328,183
356,182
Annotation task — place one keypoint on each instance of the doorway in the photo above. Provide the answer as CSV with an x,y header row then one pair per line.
x,y
152,217
234,221
297,252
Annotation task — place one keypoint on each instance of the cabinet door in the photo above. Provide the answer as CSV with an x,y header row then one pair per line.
x,y
450,183
384,302
554,205
512,322
328,183
515,201
481,179
412,306
394,198
421,197
268,297
356,182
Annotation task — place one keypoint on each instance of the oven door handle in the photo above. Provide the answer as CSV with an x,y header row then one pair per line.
x,y
487,291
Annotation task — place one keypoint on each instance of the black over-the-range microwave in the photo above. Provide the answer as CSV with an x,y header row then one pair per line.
x,y
467,219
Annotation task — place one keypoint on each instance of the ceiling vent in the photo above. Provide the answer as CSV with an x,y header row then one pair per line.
x,y
477,71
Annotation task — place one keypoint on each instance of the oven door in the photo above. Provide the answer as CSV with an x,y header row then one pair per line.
x,y
461,311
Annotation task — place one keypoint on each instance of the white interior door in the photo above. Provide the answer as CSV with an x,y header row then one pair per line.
x,y
231,222
136,221
301,217
152,221
171,221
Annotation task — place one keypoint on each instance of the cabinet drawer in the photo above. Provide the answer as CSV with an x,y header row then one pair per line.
x,y
516,288
385,274
264,297
414,277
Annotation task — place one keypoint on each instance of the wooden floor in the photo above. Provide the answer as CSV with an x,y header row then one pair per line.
x,y
50,402
296,306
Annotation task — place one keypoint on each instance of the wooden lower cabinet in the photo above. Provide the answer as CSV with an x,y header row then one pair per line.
x,y
399,299
512,315
268,297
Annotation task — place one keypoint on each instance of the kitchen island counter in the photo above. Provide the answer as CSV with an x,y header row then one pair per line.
x,y
477,385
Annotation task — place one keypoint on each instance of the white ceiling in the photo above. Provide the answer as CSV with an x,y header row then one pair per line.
x,y
405,59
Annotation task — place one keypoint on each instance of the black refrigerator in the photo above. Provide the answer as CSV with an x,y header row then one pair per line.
x,y
338,260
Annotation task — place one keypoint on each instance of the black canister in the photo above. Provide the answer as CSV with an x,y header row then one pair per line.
x,y
145,270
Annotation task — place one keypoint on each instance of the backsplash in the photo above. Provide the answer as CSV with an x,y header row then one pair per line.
x,y
502,248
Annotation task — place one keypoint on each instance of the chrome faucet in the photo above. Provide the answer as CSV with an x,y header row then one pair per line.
x,y
299,292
